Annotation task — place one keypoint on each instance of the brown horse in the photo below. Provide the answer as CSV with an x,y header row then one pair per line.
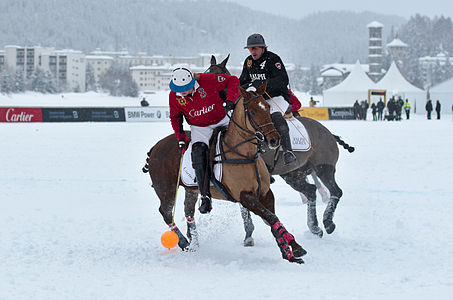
x,y
245,178
319,161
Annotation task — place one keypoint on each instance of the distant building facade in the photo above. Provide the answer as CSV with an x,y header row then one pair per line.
x,y
397,50
67,66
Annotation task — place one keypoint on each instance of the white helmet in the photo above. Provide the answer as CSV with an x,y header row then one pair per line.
x,y
182,80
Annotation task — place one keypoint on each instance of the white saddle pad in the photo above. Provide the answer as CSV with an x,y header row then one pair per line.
x,y
300,140
187,171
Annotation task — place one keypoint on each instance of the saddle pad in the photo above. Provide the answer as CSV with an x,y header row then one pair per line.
x,y
300,141
187,171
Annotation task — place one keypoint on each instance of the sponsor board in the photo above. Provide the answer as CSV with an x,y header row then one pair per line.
x,y
90,114
59,114
341,113
20,114
317,113
147,114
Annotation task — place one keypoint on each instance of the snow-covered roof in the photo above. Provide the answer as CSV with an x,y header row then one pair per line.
x,y
396,43
93,57
375,24
444,87
394,81
357,80
331,73
344,68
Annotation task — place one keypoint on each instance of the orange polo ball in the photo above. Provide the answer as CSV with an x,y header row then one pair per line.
x,y
169,239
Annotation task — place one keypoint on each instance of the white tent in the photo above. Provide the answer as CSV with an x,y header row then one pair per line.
x,y
354,87
397,85
444,93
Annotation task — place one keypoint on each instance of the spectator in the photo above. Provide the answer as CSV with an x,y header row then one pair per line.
x,y
380,108
144,102
438,109
391,106
399,108
312,102
407,108
364,108
429,109
356,110
374,111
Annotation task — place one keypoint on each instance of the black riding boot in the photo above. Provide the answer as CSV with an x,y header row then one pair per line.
x,y
200,163
282,128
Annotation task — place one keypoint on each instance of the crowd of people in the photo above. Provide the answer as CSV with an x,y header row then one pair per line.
x,y
393,110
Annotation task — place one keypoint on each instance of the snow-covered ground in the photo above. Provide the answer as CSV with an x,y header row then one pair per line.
x,y
79,220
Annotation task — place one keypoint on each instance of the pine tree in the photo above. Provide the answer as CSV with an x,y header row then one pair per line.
x,y
19,82
6,86
90,79
118,81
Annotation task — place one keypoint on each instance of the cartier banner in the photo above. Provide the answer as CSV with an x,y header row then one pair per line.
x,y
20,114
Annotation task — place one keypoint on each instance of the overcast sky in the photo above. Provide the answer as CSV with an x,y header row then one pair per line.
x,y
299,8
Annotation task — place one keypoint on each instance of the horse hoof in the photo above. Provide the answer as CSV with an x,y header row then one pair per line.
x,y
249,242
299,252
316,231
296,260
183,243
329,227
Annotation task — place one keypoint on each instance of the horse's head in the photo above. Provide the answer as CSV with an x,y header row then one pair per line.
x,y
258,117
215,68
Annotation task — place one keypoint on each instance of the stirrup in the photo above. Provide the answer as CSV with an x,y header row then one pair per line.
x,y
289,158
206,205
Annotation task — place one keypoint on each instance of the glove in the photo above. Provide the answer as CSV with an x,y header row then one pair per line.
x,y
183,144
228,105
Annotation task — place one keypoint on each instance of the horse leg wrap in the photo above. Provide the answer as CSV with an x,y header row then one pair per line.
x,y
192,234
329,225
285,249
279,231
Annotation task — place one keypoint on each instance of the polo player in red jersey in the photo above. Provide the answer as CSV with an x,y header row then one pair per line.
x,y
195,97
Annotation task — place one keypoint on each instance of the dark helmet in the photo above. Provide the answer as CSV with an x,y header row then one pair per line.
x,y
255,40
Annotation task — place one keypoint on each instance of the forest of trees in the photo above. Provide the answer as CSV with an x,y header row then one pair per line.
x,y
186,29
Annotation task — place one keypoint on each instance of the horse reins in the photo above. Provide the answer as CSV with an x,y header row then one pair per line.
x,y
259,138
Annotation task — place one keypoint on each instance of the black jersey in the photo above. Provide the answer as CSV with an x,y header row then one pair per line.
x,y
270,68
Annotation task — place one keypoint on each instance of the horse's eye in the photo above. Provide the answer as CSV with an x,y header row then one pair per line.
x,y
252,112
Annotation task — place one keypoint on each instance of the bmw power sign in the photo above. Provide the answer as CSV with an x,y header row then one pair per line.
x,y
147,114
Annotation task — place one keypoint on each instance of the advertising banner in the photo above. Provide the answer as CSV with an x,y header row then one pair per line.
x,y
103,114
317,113
20,114
61,114
341,113
90,114
147,114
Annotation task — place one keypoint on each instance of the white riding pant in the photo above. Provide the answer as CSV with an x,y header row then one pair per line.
x,y
278,104
203,134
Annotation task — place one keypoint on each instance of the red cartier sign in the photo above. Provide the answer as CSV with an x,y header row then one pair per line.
x,y
20,114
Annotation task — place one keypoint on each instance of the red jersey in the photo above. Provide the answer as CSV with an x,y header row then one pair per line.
x,y
204,107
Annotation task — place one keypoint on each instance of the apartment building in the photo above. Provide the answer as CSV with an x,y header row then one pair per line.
x,y
100,64
68,66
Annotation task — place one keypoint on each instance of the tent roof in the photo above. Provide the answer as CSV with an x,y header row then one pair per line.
x,y
357,80
444,87
394,81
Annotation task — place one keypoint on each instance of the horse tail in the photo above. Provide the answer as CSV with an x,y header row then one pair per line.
x,y
145,168
343,143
